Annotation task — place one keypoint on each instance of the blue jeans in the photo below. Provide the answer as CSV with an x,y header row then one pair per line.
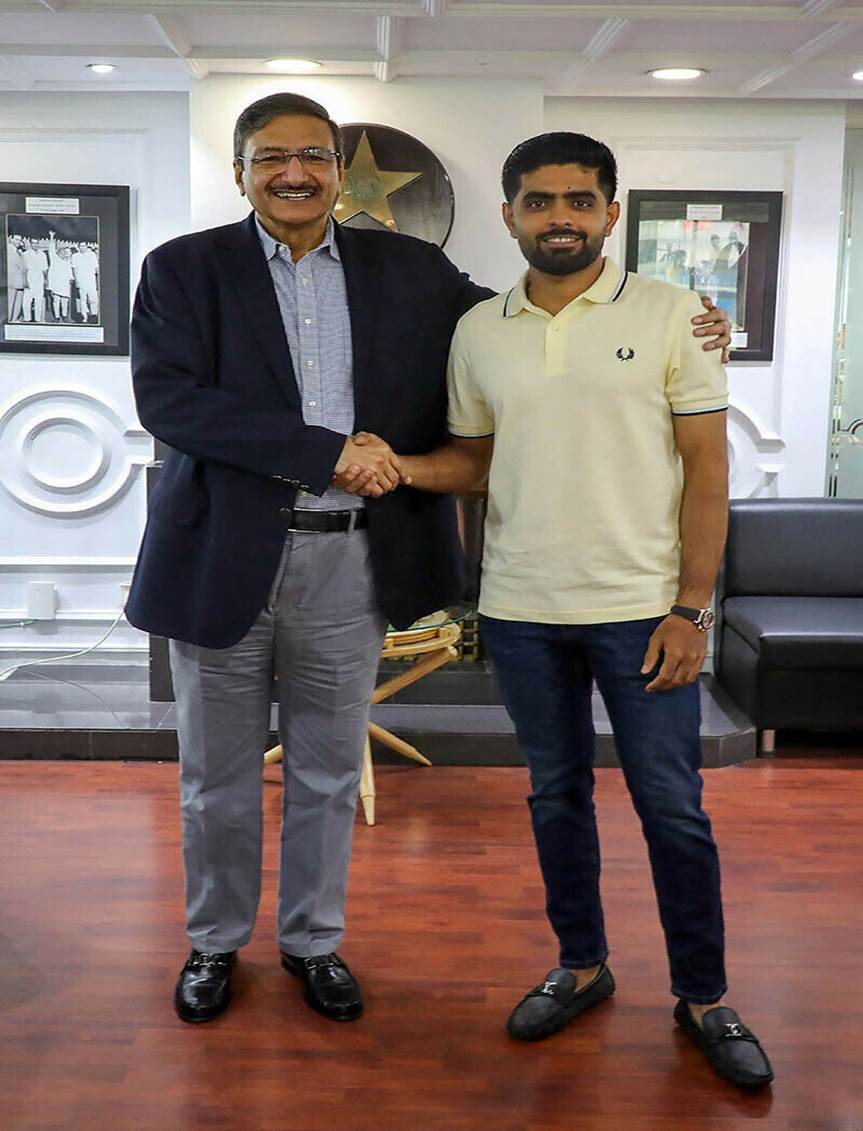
x,y
546,672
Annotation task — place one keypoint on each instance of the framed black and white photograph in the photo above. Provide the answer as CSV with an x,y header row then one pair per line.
x,y
721,244
64,270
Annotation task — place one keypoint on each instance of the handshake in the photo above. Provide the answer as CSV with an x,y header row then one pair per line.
x,y
369,467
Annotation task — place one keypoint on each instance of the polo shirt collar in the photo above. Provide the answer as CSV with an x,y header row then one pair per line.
x,y
271,246
607,288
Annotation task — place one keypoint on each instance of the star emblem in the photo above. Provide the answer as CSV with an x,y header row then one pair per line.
x,y
366,187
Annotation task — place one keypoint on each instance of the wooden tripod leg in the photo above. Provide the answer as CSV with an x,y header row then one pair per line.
x,y
422,667
367,785
397,744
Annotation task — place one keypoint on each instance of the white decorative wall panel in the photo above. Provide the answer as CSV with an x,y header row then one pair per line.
x,y
67,452
72,493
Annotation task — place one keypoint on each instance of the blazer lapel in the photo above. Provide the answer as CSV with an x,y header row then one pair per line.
x,y
362,281
251,280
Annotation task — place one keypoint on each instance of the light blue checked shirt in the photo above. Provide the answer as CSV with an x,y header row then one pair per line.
x,y
313,301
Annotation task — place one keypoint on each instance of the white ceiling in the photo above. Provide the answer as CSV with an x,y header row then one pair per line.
x,y
761,49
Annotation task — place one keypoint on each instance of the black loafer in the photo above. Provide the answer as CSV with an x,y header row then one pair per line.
x,y
204,986
731,1050
328,985
547,1008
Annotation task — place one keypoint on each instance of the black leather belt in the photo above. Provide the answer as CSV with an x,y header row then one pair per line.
x,y
325,522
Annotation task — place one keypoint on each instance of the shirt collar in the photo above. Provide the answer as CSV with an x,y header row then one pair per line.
x,y
607,288
271,246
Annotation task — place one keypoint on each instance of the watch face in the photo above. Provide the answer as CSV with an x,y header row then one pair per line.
x,y
707,620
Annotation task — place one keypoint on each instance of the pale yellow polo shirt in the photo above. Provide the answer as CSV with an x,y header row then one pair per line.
x,y
586,481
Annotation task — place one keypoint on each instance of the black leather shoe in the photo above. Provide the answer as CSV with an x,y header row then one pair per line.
x,y
204,986
732,1050
328,985
547,1008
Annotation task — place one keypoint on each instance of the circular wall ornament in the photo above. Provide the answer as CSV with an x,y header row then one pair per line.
x,y
393,182
85,458
66,452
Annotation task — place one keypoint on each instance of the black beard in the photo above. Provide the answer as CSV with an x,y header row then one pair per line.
x,y
549,261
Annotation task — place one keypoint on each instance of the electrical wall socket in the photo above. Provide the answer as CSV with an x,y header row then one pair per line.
x,y
41,600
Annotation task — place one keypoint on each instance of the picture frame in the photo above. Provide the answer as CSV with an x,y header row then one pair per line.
x,y
722,244
64,269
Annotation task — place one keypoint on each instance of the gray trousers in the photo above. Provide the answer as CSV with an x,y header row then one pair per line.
x,y
321,635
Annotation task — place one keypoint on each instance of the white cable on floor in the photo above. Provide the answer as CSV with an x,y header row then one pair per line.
x,y
68,656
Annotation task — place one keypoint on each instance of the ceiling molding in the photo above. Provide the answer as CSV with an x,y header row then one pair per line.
x,y
819,43
801,54
416,8
168,30
569,47
692,11
763,78
87,51
599,45
603,39
561,9
172,36
389,37
815,8
253,53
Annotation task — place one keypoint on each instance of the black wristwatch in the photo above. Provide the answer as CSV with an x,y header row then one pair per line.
x,y
703,619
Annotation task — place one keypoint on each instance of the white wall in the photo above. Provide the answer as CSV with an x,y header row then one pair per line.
x,y
176,156
470,125
82,537
778,425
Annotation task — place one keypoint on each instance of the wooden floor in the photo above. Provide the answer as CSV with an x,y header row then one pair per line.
x,y
446,931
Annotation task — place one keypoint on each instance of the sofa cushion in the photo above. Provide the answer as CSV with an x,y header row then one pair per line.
x,y
800,632
795,548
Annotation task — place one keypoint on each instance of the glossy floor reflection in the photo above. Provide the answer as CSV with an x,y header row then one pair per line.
x,y
446,930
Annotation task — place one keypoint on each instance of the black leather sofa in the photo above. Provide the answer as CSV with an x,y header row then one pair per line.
x,y
790,628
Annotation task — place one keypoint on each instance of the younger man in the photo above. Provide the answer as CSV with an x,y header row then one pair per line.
x,y
603,426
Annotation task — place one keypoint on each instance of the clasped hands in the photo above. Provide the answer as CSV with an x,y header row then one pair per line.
x,y
369,467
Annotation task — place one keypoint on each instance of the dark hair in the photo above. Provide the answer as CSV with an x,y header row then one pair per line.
x,y
262,112
561,148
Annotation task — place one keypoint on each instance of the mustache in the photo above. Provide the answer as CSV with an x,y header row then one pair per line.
x,y
293,188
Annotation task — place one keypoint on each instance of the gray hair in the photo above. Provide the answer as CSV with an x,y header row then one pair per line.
x,y
262,112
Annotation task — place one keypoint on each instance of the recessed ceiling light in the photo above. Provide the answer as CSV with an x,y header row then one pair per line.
x,y
677,74
293,66
101,68
858,75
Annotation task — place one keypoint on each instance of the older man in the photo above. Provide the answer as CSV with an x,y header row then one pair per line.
x,y
259,349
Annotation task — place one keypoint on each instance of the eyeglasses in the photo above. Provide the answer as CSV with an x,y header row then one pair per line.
x,y
312,157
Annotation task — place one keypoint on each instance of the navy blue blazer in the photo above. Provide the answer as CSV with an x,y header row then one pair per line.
x,y
214,381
